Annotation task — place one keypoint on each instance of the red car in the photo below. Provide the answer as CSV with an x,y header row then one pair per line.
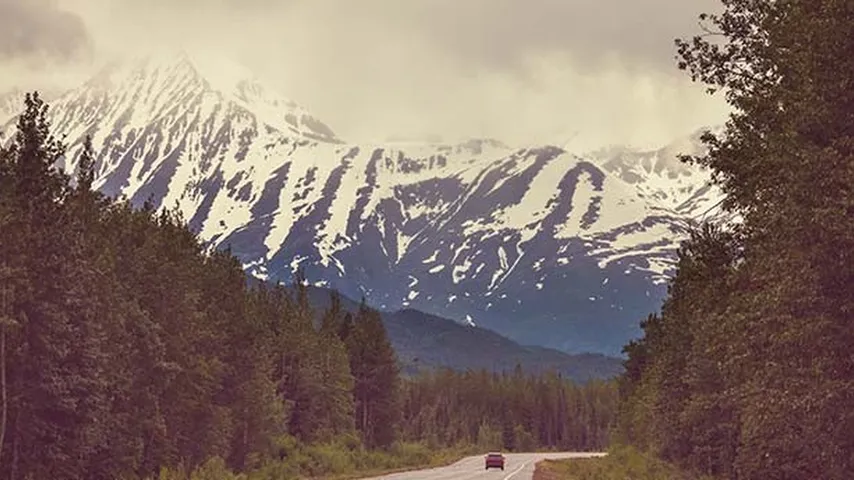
x,y
494,459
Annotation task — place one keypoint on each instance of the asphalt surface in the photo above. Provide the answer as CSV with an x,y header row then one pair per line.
x,y
517,466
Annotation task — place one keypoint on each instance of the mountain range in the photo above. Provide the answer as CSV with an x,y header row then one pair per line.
x,y
547,247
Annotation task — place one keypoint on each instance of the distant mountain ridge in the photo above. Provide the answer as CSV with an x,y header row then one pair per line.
x,y
424,342
543,246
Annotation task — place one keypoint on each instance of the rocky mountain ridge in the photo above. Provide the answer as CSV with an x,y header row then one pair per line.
x,y
544,246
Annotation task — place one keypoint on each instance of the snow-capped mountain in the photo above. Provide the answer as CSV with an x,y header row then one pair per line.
x,y
10,104
544,246
661,176
12,101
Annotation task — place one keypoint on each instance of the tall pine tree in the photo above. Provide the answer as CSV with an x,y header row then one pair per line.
x,y
374,366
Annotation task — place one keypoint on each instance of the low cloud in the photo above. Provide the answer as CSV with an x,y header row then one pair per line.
x,y
521,71
39,29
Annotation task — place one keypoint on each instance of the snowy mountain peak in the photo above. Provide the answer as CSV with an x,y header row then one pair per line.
x,y
219,74
661,176
173,76
539,244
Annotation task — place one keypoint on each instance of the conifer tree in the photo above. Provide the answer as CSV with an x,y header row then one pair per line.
x,y
764,384
375,370
336,400
55,385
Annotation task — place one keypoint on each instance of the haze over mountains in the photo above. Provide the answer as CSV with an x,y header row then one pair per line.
x,y
568,250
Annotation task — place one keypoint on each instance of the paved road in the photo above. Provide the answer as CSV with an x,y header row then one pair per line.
x,y
518,466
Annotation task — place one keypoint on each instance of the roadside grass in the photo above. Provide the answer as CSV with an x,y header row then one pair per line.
x,y
621,463
331,461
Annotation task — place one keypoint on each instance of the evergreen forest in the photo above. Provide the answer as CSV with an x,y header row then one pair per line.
x,y
747,372
130,350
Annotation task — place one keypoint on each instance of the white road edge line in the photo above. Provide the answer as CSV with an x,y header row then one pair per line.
x,y
508,477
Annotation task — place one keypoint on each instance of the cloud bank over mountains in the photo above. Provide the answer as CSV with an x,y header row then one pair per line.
x,y
524,72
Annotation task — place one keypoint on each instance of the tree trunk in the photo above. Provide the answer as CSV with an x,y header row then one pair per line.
x,y
365,420
15,446
4,408
3,395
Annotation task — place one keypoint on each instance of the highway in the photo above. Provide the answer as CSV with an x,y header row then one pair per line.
x,y
518,466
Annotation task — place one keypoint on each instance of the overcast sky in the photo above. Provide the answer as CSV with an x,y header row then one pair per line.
x,y
522,71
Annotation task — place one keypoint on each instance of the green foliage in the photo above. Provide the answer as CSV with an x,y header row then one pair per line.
x,y
510,412
335,459
127,350
620,464
747,373
376,372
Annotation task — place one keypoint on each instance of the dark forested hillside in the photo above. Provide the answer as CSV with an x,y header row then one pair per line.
x,y
425,342
127,350
748,371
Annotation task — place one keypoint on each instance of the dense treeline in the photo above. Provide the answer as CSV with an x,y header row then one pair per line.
x,y
508,411
747,373
126,347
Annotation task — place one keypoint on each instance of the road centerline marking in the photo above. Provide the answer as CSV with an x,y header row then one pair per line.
x,y
508,477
